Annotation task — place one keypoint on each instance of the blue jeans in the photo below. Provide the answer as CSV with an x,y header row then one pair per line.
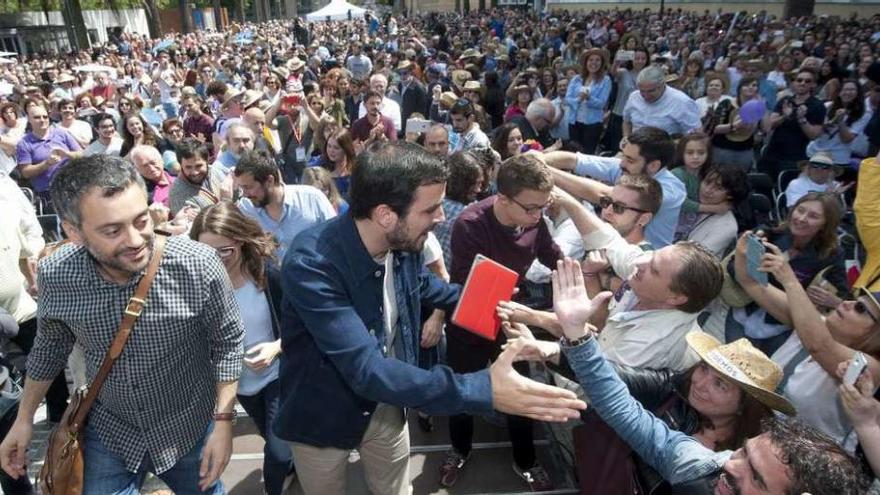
x,y
105,472
277,458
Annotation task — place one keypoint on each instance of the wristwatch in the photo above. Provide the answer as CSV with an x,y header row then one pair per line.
x,y
226,416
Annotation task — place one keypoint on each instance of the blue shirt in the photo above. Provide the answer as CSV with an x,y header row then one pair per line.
x,y
679,458
334,365
661,230
303,207
591,110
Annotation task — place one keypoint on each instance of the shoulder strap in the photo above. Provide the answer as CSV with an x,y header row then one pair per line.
x,y
788,370
133,311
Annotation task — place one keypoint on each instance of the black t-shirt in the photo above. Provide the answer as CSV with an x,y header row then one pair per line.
x,y
789,143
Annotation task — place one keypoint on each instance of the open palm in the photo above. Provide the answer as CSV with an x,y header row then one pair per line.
x,y
571,303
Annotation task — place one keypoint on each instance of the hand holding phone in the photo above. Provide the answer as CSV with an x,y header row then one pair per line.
x,y
856,367
755,250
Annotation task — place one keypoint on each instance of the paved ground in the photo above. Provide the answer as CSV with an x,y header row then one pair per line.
x,y
488,471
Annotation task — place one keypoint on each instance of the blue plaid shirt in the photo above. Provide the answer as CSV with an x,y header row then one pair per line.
x,y
451,209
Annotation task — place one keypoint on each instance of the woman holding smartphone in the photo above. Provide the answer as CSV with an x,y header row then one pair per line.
x,y
811,355
247,254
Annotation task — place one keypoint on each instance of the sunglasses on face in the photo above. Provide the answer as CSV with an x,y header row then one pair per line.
x,y
618,207
862,309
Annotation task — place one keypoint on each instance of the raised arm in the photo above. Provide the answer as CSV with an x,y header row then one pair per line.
x,y
773,300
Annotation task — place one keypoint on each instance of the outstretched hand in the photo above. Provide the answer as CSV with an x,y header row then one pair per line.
x,y
571,303
515,394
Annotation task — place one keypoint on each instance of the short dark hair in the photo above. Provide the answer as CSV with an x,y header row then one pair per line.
x,y
732,179
372,94
462,106
99,118
523,172
464,172
699,278
654,144
649,190
189,148
110,174
260,164
390,174
66,101
818,464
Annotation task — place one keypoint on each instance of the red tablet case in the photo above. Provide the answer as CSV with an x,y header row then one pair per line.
x,y
487,284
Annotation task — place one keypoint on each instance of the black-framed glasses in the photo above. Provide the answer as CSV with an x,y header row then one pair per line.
x,y
617,206
225,251
862,309
531,210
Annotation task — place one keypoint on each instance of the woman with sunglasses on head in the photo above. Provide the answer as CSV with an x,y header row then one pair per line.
x,y
247,254
811,355
808,238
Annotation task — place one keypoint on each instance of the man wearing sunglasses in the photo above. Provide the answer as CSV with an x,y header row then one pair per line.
x,y
647,152
658,305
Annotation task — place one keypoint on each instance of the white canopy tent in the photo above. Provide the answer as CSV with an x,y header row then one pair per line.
x,y
336,10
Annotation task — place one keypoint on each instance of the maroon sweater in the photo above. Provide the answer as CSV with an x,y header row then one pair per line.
x,y
477,231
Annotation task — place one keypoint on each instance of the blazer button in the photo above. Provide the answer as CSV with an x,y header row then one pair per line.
x,y
366,413
378,273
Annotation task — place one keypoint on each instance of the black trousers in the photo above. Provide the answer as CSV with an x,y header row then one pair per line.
x,y
466,353
56,397
586,135
613,133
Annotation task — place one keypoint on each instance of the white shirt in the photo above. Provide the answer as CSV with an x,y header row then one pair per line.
x,y
815,394
99,148
569,240
704,104
714,232
674,112
7,162
389,108
802,185
652,338
13,246
82,131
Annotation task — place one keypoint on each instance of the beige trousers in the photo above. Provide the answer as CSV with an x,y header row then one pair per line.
x,y
384,453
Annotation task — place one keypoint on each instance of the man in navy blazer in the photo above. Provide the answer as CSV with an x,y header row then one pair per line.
x,y
350,332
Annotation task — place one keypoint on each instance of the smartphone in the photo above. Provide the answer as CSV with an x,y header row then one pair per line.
x,y
755,250
417,126
626,55
856,366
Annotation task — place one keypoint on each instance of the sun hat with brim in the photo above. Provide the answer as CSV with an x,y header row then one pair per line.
x,y
742,363
250,97
404,65
459,77
448,98
472,86
874,297
65,78
470,53
231,96
823,160
295,64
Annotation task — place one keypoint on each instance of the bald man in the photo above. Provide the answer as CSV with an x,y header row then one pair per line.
x,y
265,139
150,165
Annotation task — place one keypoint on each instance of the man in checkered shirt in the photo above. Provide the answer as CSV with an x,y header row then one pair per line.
x,y
167,405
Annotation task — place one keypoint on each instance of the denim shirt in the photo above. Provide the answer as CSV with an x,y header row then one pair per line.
x,y
591,110
679,458
335,366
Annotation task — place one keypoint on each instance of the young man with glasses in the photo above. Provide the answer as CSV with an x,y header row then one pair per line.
x,y
108,142
795,121
509,229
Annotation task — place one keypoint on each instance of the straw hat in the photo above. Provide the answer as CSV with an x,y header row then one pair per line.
x,y
872,296
230,96
744,364
823,159
295,64
64,78
404,65
250,97
459,77
470,53
472,86
448,98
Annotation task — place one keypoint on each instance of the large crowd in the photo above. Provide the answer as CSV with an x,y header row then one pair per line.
x,y
691,202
